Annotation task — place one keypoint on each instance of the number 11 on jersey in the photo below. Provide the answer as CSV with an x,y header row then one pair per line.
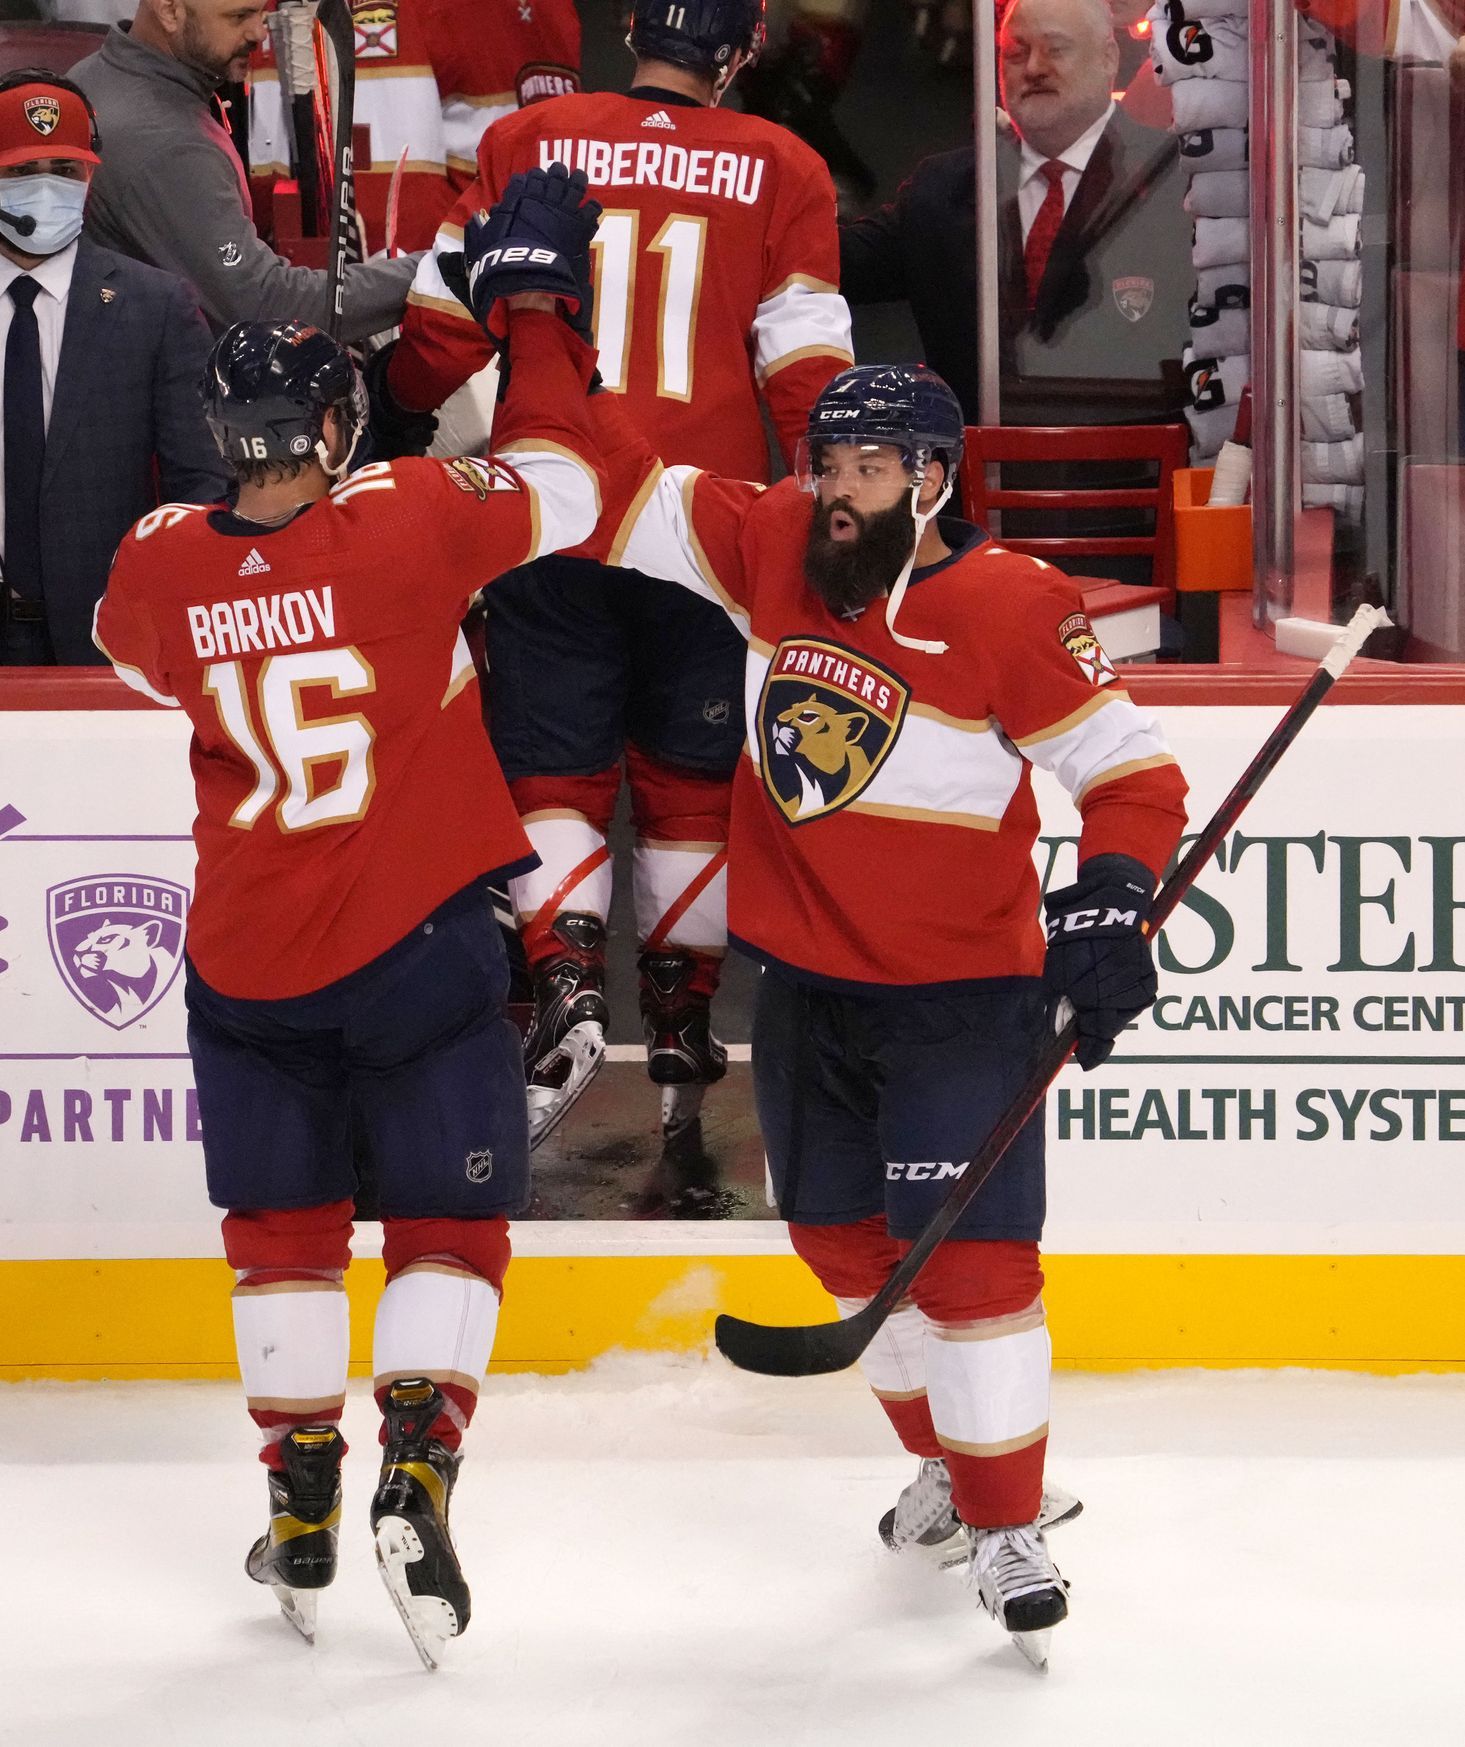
x,y
681,243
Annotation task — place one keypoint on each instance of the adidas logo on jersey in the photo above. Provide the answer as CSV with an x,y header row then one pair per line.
x,y
254,564
660,119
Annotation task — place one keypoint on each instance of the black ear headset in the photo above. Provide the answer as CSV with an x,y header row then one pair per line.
x,y
23,223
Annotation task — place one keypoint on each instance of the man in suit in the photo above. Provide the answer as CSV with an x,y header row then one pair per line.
x,y
100,362
1093,243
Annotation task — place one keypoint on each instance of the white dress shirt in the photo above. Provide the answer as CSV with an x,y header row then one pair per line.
x,y
1032,185
54,278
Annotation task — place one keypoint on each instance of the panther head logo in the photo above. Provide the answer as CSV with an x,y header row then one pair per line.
x,y
827,718
118,942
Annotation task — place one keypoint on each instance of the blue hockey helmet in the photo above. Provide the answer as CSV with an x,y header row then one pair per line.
x,y
268,386
701,34
907,406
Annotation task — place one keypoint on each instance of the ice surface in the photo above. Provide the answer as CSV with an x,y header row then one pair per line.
x,y
666,1552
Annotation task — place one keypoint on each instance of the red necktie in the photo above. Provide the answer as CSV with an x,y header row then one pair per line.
x,y
1045,228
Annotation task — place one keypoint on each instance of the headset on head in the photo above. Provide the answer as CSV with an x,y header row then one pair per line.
x,y
44,76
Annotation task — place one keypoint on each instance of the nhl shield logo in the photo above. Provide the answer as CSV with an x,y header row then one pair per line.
x,y
827,719
376,30
117,940
1076,635
1133,296
43,113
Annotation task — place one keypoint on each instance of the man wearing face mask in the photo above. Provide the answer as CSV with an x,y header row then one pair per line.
x,y
101,358
173,191
904,674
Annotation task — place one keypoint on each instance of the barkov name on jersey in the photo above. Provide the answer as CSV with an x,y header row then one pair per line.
x,y
268,621
649,164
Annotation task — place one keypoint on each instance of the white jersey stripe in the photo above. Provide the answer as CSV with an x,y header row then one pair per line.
x,y
800,321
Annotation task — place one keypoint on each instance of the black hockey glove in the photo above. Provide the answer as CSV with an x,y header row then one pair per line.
x,y
394,430
1098,955
536,238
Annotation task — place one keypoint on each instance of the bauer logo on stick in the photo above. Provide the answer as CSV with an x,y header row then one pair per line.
x,y
827,719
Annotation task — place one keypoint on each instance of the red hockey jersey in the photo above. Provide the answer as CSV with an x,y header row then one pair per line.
x,y
716,272
345,784
883,818
431,75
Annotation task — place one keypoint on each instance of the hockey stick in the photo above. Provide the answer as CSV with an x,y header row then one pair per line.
x,y
832,1346
334,19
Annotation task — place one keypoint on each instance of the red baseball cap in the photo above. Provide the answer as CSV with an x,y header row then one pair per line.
x,y
44,121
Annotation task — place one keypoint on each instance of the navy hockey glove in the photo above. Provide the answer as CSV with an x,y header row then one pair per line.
x,y
536,238
395,429
1098,954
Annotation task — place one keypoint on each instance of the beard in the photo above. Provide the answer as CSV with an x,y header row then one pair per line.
x,y
195,51
848,574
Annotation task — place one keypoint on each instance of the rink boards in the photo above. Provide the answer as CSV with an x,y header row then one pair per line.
x,y
1269,1171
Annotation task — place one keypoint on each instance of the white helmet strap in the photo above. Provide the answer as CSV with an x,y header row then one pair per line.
x,y
922,520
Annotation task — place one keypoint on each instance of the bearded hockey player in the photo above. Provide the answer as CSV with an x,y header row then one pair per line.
x,y
904,676
345,977
716,264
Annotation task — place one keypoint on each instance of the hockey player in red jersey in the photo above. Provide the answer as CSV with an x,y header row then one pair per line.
x,y
431,75
716,263
345,978
904,676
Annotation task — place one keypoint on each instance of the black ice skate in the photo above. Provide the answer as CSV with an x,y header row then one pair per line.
x,y
686,1181
923,1517
409,1516
565,1048
676,1022
1019,1585
296,1555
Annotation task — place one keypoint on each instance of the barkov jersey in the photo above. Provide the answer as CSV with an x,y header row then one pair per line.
x,y
431,75
883,818
345,784
716,271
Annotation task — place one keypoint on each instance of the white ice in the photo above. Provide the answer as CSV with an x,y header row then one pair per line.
x,y
666,1552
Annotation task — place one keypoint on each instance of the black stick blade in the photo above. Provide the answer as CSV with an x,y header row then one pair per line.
x,y
811,1351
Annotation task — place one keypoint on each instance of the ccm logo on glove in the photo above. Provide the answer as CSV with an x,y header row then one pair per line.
x,y
1076,921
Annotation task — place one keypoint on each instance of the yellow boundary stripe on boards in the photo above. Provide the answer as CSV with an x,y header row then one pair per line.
x,y
171,1318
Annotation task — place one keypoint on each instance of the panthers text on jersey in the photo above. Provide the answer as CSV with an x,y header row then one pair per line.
x,y
431,75
883,817
345,784
716,271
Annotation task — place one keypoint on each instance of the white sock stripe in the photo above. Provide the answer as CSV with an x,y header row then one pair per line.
x,y
989,1392
894,1363
562,842
661,873
293,1346
431,1321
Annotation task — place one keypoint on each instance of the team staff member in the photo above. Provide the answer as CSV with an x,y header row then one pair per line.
x,y
345,976
715,266
1094,270
904,675
173,191
99,393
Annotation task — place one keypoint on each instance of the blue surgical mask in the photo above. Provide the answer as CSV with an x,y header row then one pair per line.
x,y
54,202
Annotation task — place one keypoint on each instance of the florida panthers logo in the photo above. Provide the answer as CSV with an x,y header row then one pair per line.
x,y
827,719
376,30
117,940
1076,635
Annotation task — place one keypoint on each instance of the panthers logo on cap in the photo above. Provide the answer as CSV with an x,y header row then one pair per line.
x,y
1076,635
43,113
376,30
827,719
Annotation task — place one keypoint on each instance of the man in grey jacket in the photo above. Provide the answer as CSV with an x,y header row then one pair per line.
x,y
172,190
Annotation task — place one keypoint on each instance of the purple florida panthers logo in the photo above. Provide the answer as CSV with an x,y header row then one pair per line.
x,y
117,940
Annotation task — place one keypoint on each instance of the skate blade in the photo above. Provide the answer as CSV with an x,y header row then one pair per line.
x,y
430,1621
1057,1507
1034,1646
298,1606
584,1046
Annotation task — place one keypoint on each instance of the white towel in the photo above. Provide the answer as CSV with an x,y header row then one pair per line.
x,y
1188,49
1347,500
1164,14
1326,418
1329,373
1337,240
1219,333
1213,381
1336,282
1203,103
1219,240
1213,148
1327,147
1320,102
1324,327
1219,194
1323,194
1208,430
1227,286
1333,463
